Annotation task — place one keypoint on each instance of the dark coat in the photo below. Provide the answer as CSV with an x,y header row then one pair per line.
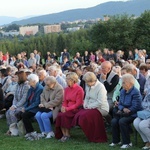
x,y
32,105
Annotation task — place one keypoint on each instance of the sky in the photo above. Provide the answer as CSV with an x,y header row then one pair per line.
x,y
24,8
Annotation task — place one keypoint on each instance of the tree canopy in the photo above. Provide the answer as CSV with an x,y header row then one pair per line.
x,y
119,32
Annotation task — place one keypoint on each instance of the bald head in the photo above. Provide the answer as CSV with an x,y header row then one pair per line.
x,y
106,67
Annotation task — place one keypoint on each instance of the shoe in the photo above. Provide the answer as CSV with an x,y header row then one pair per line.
x,y
126,146
2,116
64,139
29,134
42,135
147,146
34,135
114,144
50,135
30,138
8,133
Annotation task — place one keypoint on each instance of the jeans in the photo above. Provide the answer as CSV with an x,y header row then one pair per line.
x,y
43,119
121,126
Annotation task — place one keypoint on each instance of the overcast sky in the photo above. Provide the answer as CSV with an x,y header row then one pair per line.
x,y
23,8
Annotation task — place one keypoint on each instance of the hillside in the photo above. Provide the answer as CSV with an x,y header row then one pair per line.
x,y
135,7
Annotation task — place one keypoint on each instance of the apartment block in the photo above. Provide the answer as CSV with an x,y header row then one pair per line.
x,y
52,28
28,30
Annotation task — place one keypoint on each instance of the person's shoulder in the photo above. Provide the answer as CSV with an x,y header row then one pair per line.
x,y
40,86
58,86
135,90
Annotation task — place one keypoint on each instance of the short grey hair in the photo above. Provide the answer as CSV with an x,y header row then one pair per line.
x,y
129,68
33,77
128,78
43,72
52,79
55,68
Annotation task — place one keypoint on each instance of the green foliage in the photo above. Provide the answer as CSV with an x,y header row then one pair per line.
x,y
142,31
120,32
11,27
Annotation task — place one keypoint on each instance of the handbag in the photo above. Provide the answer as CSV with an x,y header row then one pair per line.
x,y
43,109
14,129
144,114
21,128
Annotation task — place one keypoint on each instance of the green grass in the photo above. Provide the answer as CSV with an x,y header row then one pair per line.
x,y
78,141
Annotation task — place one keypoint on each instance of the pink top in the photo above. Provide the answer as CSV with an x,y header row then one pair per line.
x,y
73,97
92,58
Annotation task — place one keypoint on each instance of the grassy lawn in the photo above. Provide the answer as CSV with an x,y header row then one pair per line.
x,y
78,141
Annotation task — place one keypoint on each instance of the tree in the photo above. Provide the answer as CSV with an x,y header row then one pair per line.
x,y
60,43
142,31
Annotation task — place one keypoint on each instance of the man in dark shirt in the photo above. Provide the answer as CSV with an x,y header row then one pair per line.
x,y
110,79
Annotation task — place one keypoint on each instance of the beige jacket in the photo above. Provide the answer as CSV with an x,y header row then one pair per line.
x,y
52,98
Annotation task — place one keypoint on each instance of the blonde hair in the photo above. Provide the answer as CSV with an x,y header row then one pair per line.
x,y
89,77
73,76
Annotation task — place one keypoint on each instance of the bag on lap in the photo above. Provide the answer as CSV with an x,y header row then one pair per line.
x,y
144,114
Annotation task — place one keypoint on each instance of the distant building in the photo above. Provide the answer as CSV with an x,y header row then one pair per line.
x,y
73,29
52,28
106,18
28,30
12,33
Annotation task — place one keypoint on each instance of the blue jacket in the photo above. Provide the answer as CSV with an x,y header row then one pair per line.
x,y
32,105
131,100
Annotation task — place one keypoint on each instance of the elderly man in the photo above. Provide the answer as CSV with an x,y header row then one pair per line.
x,y
31,60
110,79
136,73
54,71
42,75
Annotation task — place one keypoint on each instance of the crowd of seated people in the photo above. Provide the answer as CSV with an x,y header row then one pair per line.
x,y
80,92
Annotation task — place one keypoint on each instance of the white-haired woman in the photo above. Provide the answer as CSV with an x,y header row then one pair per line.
x,y
32,101
51,99
129,104
95,106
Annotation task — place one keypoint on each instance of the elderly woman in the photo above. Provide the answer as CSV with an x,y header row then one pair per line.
x,y
142,125
32,101
19,98
96,94
51,99
129,104
95,106
73,101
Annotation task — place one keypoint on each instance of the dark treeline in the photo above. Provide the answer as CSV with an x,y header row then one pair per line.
x,y
120,32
